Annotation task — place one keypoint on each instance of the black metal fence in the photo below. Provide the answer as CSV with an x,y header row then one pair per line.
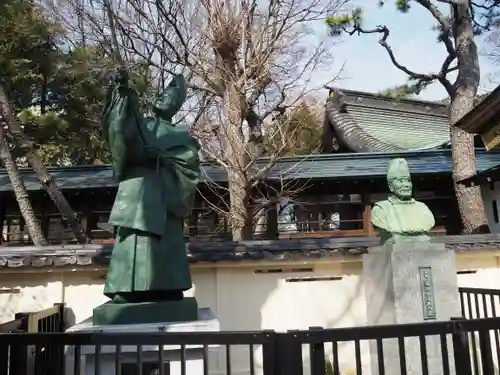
x,y
479,303
424,348
34,344
48,320
27,359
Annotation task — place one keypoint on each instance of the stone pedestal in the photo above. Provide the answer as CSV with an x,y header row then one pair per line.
x,y
410,282
146,312
193,354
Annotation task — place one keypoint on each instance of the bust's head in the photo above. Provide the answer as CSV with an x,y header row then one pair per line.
x,y
399,179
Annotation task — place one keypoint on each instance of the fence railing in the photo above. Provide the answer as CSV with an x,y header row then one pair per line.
x,y
27,359
48,320
424,348
479,303
33,344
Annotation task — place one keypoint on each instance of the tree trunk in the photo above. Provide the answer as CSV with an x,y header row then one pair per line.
x,y
237,161
46,180
20,192
470,201
240,210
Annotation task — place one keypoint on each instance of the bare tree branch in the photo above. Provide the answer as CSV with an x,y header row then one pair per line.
x,y
421,79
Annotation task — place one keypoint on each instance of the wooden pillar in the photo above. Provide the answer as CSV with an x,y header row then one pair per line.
x,y
85,211
271,231
367,211
3,210
45,218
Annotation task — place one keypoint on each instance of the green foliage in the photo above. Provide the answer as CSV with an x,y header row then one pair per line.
x,y
36,62
25,42
404,91
328,367
402,5
338,24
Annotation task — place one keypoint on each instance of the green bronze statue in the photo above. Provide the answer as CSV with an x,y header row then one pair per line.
x,y
157,167
401,215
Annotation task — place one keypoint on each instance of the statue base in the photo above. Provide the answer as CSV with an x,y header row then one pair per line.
x,y
410,280
112,313
192,359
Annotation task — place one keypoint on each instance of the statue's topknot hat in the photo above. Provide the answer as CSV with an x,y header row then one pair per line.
x,y
397,168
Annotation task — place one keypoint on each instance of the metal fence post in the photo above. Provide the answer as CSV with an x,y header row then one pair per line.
x,y
461,351
486,352
61,317
18,361
282,355
57,350
269,364
4,358
317,354
288,354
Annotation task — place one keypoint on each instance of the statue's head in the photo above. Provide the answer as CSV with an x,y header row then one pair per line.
x,y
169,101
399,179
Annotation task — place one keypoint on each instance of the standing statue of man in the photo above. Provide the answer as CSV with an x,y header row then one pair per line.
x,y
157,167
401,215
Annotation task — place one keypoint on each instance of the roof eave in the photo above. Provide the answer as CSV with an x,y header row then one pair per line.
x,y
485,177
484,116
273,250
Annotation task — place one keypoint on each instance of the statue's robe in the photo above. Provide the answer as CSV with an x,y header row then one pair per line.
x,y
157,167
402,217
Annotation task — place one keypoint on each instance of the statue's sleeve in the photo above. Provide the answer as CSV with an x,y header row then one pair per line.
x,y
121,127
378,217
182,165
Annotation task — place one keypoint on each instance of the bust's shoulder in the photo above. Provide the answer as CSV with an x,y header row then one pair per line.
x,y
378,216
382,205
421,205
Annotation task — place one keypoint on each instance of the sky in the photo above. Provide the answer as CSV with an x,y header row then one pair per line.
x,y
366,65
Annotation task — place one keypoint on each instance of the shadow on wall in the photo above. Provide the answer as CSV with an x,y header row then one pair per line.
x,y
240,295
26,292
83,293
350,311
69,317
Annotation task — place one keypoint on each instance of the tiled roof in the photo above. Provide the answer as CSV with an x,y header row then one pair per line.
x,y
406,124
484,116
277,250
320,166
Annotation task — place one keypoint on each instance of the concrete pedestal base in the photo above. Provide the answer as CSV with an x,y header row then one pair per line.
x,y
410,282
128,356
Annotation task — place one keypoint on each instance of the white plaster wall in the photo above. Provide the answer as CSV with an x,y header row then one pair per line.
x,y
243,298
491,193
255,301
36,292
83,291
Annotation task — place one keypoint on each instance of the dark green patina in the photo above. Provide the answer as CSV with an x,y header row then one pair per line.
x,y
158,168
146,312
